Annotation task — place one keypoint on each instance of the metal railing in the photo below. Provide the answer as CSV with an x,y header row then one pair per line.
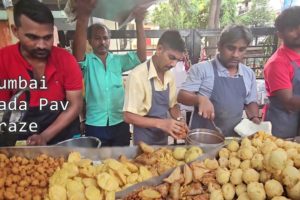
x,y
262,47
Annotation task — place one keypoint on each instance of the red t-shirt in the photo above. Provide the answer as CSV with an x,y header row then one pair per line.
x,y
279,71
62,73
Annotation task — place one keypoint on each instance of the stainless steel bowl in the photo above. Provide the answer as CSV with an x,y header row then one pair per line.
x,y
205,138
89,142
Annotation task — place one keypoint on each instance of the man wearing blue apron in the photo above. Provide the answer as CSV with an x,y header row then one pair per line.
x,y
222,88
151,93
282,77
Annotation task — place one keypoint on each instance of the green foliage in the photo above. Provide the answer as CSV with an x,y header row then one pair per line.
x,y
258,15
193,14
228,14
181,14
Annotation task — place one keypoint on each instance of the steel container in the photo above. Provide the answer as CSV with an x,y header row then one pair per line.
x,y
205,138
88,142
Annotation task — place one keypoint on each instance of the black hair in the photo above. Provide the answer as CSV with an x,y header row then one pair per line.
x,y
233,33
34,10
289,18
97,26
173,40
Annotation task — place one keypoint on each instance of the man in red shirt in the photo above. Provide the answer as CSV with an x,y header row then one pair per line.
x,y
282,76
55,77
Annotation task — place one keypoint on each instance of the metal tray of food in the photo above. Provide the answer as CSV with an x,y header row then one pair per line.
x,y
95,154
159,179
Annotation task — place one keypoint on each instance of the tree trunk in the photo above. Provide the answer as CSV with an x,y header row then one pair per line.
x,y
213,23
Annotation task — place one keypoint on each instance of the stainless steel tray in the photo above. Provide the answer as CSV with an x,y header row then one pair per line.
x,y
90,153
57,151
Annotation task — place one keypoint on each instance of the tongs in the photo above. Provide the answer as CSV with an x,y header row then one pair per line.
x,y
215,126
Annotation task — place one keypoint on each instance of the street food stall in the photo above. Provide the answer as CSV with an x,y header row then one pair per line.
x,y
239,168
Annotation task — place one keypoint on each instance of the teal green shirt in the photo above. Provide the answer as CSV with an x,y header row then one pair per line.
x,y
104,90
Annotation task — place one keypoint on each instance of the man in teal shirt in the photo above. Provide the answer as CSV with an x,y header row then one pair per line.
x,y
102,70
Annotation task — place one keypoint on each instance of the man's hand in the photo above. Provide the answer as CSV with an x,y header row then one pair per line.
x,y
186,130
206,108
36,140
139,14
256,120
177,129
85,7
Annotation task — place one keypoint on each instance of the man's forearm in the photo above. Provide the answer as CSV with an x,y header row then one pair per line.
x,y
80,37
252,110
62,121
141,121
141,41
188,98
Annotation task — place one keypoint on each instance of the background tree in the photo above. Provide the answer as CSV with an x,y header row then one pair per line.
x,y
212,14
213,23
181,14
194,14
257,14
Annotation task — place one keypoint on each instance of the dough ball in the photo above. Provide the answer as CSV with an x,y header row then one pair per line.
x,y
223,162
246,142
245,153
233,146
273,188
236,176
216,195
240,188
179,153
256,191
289,144
250,175
291,153
257,162
294,192
222,175
264,176
257,142
246,164
290,176
211,164
224,153
278,159
228,191
268,147
234,163
279,142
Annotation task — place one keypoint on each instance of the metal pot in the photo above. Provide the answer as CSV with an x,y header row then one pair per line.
x,y
89,142
205,138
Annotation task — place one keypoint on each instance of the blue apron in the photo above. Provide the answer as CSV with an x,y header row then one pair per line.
x,y
159,109
285,124
228,97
